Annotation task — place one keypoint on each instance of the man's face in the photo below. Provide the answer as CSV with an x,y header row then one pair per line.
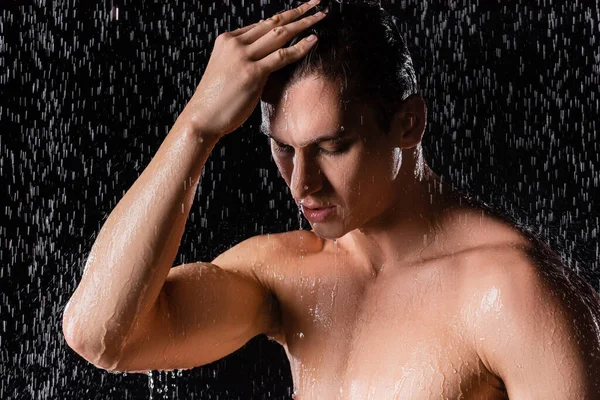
x,y
331,155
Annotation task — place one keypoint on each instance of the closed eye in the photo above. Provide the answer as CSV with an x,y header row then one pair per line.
x,y
339,147
331,152
281,148
285,149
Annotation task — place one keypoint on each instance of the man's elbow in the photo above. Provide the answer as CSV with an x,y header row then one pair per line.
x,y
93,351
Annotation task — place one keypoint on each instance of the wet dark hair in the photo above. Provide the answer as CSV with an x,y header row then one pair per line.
x,y
360,48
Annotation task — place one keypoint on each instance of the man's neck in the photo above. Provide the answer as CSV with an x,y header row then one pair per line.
x,y
403,232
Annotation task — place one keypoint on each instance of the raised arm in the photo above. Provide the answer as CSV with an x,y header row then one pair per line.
x,y
131,311
205,311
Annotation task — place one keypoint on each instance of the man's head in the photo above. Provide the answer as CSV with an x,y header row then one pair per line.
x,y
357,83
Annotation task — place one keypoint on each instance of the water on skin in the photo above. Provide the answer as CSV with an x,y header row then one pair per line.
x,y
546,119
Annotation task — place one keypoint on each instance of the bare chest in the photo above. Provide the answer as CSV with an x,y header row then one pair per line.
x,y
394,337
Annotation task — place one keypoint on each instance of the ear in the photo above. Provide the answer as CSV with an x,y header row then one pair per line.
x,y
409,122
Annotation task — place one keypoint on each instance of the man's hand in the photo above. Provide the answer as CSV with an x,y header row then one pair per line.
x,y
239,66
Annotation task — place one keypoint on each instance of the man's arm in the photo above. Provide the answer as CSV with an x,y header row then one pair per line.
x,y
128,295
538,329
135,249
206,311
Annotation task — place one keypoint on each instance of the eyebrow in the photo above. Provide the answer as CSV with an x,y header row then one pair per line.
x,y
339,134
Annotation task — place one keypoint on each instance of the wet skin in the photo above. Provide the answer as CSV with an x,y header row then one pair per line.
x,y
420,296
406,291
447,323
404,333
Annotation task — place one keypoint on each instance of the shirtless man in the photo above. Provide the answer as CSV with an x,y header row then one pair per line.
x,y
403,289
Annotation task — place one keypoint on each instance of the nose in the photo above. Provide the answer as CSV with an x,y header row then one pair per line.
x,y
306,177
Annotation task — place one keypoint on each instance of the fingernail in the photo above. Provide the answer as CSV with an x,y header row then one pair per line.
x,y
319,14
311,38
313,2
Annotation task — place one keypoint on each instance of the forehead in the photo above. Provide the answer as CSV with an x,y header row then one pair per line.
x,y
310,107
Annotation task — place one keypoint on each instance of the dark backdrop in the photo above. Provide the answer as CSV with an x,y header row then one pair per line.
x,y
86,98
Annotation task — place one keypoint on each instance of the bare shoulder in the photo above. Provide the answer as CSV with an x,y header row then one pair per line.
x,y
503,255
265,257
530,275
535,322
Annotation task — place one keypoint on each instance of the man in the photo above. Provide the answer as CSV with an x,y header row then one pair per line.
x,y
402,289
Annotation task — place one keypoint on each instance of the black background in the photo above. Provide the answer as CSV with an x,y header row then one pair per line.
x,y
86,99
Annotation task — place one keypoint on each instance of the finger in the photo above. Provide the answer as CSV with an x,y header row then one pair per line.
x,y
244,29
277,20
279,36
287,55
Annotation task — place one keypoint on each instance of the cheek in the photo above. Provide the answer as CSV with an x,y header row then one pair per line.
x,y
285,166
374,171
349,175
385,164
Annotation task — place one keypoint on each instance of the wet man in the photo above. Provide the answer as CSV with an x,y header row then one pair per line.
x,y
403,288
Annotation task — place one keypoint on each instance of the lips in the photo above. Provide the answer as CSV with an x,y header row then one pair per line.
x,y
315,208
313,205
318,214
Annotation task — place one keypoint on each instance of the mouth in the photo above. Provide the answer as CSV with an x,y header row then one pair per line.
x,y
319,214
316,208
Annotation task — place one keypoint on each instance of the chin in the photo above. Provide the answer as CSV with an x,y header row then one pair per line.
x,y
329,230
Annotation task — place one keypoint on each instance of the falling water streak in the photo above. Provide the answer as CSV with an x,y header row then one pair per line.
x,y
300,217
114,13
151,385
39,32
300,214
163,383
